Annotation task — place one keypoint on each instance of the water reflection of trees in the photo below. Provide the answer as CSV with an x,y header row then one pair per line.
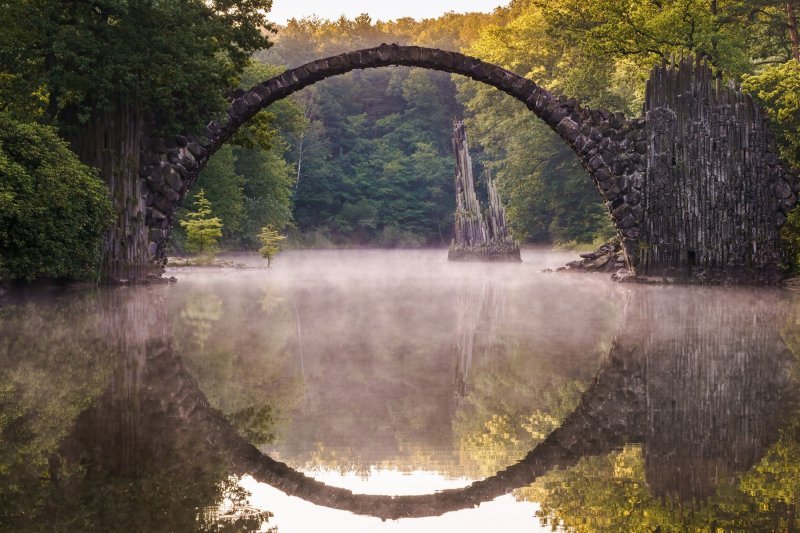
x,y
400,376
88,439
690,422
716,444
241,349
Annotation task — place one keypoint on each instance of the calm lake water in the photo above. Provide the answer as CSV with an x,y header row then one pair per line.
x,y
394,391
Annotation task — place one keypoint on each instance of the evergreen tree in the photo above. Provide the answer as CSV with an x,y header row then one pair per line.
x,y
271,243
203,231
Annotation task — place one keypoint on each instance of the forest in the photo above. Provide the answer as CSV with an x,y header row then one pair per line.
x,y
364,159
368,157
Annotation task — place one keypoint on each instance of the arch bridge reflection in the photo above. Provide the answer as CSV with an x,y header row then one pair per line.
x,y
703,384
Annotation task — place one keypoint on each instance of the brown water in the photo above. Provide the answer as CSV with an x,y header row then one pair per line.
x,y
584,405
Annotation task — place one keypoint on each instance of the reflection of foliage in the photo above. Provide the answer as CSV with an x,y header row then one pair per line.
x,y
506,438
255,423
234,512
158,481
606,493
55,361
342,460
609,493
791,337
776,478
510,409
199,315
251,376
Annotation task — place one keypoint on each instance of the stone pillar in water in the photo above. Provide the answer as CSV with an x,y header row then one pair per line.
x,y
475,238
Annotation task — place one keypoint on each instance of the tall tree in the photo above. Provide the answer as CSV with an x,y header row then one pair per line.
x,y
107,71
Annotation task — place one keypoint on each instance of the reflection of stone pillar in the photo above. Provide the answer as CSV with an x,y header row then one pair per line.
x,y
716,374
481,310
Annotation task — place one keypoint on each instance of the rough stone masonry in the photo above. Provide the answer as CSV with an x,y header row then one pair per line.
x,y
694,186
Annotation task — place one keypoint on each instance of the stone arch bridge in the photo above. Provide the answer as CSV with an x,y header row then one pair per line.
x,y
694,186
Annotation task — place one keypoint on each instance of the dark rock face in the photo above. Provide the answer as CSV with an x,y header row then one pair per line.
x,y
694,187
715,194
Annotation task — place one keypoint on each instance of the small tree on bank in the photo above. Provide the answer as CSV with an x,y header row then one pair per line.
x,y
272,243
203,231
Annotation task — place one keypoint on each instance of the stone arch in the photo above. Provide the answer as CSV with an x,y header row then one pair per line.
x,y
695,187
605,142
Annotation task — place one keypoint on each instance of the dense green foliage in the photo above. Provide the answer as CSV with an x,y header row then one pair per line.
x,y
53,209
250,182
374,164
175,59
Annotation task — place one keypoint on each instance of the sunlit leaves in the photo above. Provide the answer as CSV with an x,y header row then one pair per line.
x,y
271,243
777,87
203,230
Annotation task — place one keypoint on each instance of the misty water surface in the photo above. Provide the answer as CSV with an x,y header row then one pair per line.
x,y
170,408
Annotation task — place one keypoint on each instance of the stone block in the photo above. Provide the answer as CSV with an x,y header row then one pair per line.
x,y
173,179
617,120
782,189
163,204
569,129
239,106
196,150
263,91
523,89
355,59
188,163
385,53
148,158
253,99
153,213
602,174
481,71
288,79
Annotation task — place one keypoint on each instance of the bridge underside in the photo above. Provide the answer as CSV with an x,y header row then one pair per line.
x,y
694,186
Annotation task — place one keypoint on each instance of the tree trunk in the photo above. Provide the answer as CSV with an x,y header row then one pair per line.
x,y
792,17
110,142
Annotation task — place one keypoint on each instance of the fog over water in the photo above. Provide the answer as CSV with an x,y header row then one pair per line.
x,y
398,373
